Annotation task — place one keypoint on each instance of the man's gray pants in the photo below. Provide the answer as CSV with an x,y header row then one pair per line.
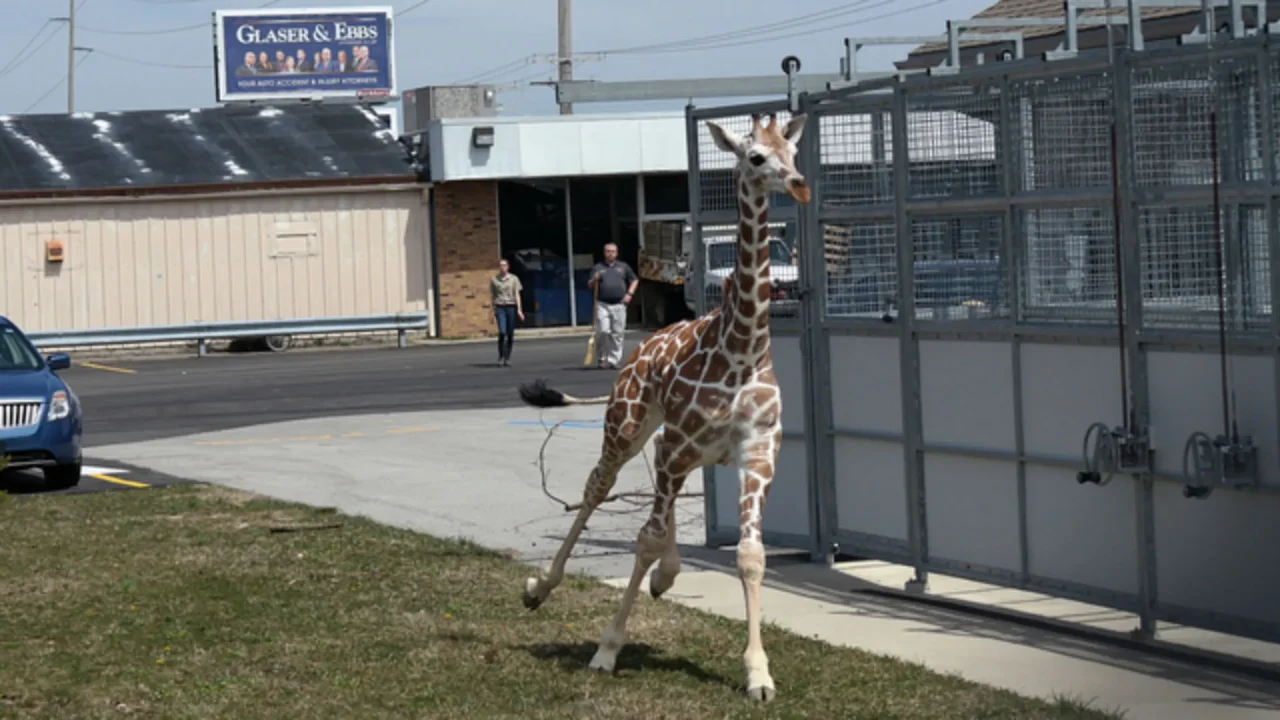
x,y
611,326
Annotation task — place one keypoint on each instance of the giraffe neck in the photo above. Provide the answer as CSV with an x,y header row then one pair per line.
x,y
746,300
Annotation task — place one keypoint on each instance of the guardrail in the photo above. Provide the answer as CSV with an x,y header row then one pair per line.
x,y
204,332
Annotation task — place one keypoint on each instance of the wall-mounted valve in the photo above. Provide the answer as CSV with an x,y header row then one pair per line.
x,y
1113,450
1208,463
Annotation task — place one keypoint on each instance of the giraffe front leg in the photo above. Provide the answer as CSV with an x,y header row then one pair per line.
x,y
755,474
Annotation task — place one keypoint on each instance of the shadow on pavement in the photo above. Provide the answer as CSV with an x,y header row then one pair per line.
x,y
1244,683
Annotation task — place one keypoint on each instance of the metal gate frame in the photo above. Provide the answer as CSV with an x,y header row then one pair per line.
x,y
1138,337
782,327
1243,187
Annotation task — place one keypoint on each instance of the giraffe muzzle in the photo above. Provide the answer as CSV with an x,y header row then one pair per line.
x,y
798,189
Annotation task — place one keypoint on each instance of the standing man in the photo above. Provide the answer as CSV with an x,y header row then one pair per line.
x,y
615,283
505,288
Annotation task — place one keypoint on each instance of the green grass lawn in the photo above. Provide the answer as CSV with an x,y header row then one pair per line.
x,y
182,602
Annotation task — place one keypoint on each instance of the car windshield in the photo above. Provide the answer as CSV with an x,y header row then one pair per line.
x,y
15,353
722,255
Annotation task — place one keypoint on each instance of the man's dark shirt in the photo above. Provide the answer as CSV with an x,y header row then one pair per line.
x,y
614,281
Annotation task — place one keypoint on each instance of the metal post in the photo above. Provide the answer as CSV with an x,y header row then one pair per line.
x,y
814,347
1136,43
568,230
1130,270
564,56
712,522
402,340
909,368
71,56
953,45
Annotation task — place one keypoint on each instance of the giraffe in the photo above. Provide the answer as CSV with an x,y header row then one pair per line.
x,y
709,383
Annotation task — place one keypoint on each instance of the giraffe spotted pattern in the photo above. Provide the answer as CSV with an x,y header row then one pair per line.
x,y
709,383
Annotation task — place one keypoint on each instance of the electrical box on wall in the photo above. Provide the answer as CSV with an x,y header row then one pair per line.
x,y
54,251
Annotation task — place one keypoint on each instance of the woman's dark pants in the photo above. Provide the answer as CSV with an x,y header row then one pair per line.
x,y
506,330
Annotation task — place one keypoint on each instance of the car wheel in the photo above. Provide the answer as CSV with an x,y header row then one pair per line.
x,y
61,477
278,343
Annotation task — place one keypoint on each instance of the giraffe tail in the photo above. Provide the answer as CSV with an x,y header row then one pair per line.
x,y
539,394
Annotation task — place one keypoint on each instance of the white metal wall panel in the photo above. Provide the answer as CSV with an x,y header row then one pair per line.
x,y
967,394
1186,397
866,387
976,517
1066,388
1085,534
787,514
871,490
788,366
1218,554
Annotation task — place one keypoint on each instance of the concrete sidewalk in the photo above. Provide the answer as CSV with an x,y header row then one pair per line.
x,y
475,474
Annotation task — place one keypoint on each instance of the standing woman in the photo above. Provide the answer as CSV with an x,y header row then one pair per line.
x,y
505,288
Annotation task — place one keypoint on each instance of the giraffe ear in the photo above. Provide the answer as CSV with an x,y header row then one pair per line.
x,y
727,140
794,128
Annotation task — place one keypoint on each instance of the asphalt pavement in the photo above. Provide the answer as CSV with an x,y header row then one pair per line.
x,y
132,401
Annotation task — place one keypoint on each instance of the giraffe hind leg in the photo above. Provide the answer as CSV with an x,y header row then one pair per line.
x,y
627,427
655,541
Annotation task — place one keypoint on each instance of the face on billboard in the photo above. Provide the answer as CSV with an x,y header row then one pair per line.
x,y
305,53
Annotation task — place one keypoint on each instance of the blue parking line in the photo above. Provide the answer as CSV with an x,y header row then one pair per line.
x,y
584,424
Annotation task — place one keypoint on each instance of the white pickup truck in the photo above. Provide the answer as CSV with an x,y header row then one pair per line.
x,y
720,244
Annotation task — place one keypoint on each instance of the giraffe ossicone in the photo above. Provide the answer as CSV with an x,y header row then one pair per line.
x,y
709,383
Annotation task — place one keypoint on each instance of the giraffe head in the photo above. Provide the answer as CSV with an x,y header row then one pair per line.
x,y
767,155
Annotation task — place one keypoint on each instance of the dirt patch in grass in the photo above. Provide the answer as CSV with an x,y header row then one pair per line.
x,y
183,602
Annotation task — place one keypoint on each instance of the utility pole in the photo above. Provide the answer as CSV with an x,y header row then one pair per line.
x,y
71,57
565,53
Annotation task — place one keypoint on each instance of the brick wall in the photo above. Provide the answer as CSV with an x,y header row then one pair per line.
x,y
467,252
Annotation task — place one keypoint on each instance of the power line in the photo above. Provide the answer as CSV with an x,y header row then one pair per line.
x,y
62,81
754,30
162,31
728,39
802,33
18,61
150,63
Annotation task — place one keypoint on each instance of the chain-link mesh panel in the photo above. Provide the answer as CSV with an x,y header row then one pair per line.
x,y
1062,132
951,143
862,268
1171,125
1249,229
715,166
958,271
1239,105
1068,269
720,248
857,158
1179,266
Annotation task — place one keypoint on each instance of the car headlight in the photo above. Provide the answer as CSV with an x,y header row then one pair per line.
x,y
59,406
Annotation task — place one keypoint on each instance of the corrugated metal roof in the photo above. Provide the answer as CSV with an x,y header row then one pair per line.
x,y
1048,9
153,149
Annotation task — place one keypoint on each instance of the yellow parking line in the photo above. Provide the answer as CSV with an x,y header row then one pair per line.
x,y
109,368
119,481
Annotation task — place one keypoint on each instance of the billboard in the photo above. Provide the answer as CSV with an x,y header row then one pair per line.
x,y
311,53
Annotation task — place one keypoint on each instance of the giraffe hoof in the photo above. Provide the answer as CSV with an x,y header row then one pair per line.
x,y
764,693
531,599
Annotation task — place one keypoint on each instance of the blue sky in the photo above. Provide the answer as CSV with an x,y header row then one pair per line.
x,y
446,41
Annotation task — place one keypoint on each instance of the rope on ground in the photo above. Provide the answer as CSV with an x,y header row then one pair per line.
x,y
636,500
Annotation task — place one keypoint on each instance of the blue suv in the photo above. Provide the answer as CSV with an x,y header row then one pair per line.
x,y
40,421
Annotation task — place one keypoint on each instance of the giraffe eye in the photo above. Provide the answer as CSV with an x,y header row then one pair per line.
x,y
756,159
